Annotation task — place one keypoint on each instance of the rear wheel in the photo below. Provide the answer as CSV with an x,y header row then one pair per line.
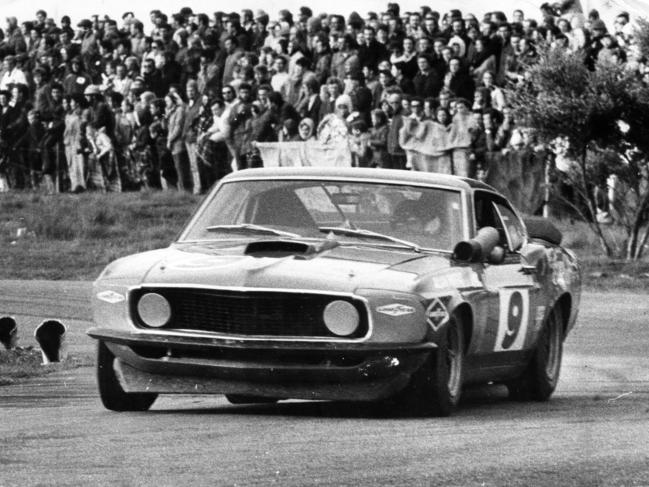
x,y
436,388
540,379
111,392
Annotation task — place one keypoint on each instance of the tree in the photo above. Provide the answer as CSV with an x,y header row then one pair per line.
x,y
604,115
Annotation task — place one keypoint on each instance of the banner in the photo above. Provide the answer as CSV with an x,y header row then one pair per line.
x,y
309,153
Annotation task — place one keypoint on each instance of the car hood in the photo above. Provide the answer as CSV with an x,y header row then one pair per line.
x,y
340,269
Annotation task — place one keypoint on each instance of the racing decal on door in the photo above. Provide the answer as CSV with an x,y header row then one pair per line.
x,y
513,320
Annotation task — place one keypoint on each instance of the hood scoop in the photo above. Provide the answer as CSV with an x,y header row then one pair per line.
x,y
285,248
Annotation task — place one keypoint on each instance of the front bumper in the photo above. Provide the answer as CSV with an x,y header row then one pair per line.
x,y
162,363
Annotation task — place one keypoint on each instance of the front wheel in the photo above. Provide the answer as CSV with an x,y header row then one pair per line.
x,y
540,379
111,392
436,388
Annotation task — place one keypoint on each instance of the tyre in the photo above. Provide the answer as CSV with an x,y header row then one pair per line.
x,y
111,393
540,379
436,388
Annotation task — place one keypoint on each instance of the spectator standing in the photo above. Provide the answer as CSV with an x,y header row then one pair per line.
x,y
309,106
427,82
214,151
76,81
53,155
378,140
359,144
461,139
397,154
190,133
458,80
13,75
240,112
72,136
175,116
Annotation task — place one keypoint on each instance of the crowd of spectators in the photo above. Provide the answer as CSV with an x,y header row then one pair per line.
x,y
179,101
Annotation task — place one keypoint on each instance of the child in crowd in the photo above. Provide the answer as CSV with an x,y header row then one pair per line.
x,y
359,144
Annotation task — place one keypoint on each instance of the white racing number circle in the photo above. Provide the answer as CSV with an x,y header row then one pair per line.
x,y
154,310
341,318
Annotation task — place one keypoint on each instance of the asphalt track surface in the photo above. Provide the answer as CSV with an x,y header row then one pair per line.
x,y
594,430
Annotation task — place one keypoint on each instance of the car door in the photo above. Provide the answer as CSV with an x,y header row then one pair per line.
x,y
512,293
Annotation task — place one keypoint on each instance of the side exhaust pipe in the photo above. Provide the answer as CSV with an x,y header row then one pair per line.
x,y
50,335
8,332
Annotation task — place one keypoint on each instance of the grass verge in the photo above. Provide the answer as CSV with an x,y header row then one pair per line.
x,y
73,237
22,363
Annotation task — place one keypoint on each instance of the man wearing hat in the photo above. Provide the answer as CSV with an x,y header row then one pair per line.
x,y
99,115
260,29
88,40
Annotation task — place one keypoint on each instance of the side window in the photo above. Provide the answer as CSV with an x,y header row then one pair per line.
x,y
485,214
493,211
512,226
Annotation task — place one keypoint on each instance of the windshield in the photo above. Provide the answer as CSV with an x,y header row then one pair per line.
x,y
350,212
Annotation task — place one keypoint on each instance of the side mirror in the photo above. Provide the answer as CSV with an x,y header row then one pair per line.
x,y
533,259
478,249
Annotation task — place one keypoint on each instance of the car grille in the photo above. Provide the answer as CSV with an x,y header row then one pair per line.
x,y
249,313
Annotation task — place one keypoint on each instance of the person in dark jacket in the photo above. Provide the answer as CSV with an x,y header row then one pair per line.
x,y
190,132
458,80
427,82
152,79
371,51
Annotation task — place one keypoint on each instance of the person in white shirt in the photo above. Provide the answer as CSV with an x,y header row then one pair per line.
x,y
13,75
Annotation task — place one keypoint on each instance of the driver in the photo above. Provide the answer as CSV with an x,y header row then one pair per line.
x,y
416,217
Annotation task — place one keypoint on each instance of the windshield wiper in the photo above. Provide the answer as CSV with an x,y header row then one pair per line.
x,y
252,228
361,232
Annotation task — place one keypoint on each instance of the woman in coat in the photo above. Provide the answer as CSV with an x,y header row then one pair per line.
x,y
175,115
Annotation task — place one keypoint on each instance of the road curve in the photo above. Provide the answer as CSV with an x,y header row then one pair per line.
x,y
594,431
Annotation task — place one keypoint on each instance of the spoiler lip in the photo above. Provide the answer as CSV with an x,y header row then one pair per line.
x,y
207,342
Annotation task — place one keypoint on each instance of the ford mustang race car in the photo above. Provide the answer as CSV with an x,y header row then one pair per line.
x,y
395,287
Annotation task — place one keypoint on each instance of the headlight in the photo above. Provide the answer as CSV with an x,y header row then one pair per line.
x,y
154,310
341,318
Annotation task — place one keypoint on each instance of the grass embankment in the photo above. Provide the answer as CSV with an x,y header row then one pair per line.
x,y
22,363
74,236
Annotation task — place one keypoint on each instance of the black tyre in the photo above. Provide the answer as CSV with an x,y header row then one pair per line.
x,y
435,390
540,379
111,393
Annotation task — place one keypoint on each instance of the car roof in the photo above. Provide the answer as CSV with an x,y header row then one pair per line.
x,y
385,175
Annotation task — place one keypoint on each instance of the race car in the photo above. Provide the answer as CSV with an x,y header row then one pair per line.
x,y
398,288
